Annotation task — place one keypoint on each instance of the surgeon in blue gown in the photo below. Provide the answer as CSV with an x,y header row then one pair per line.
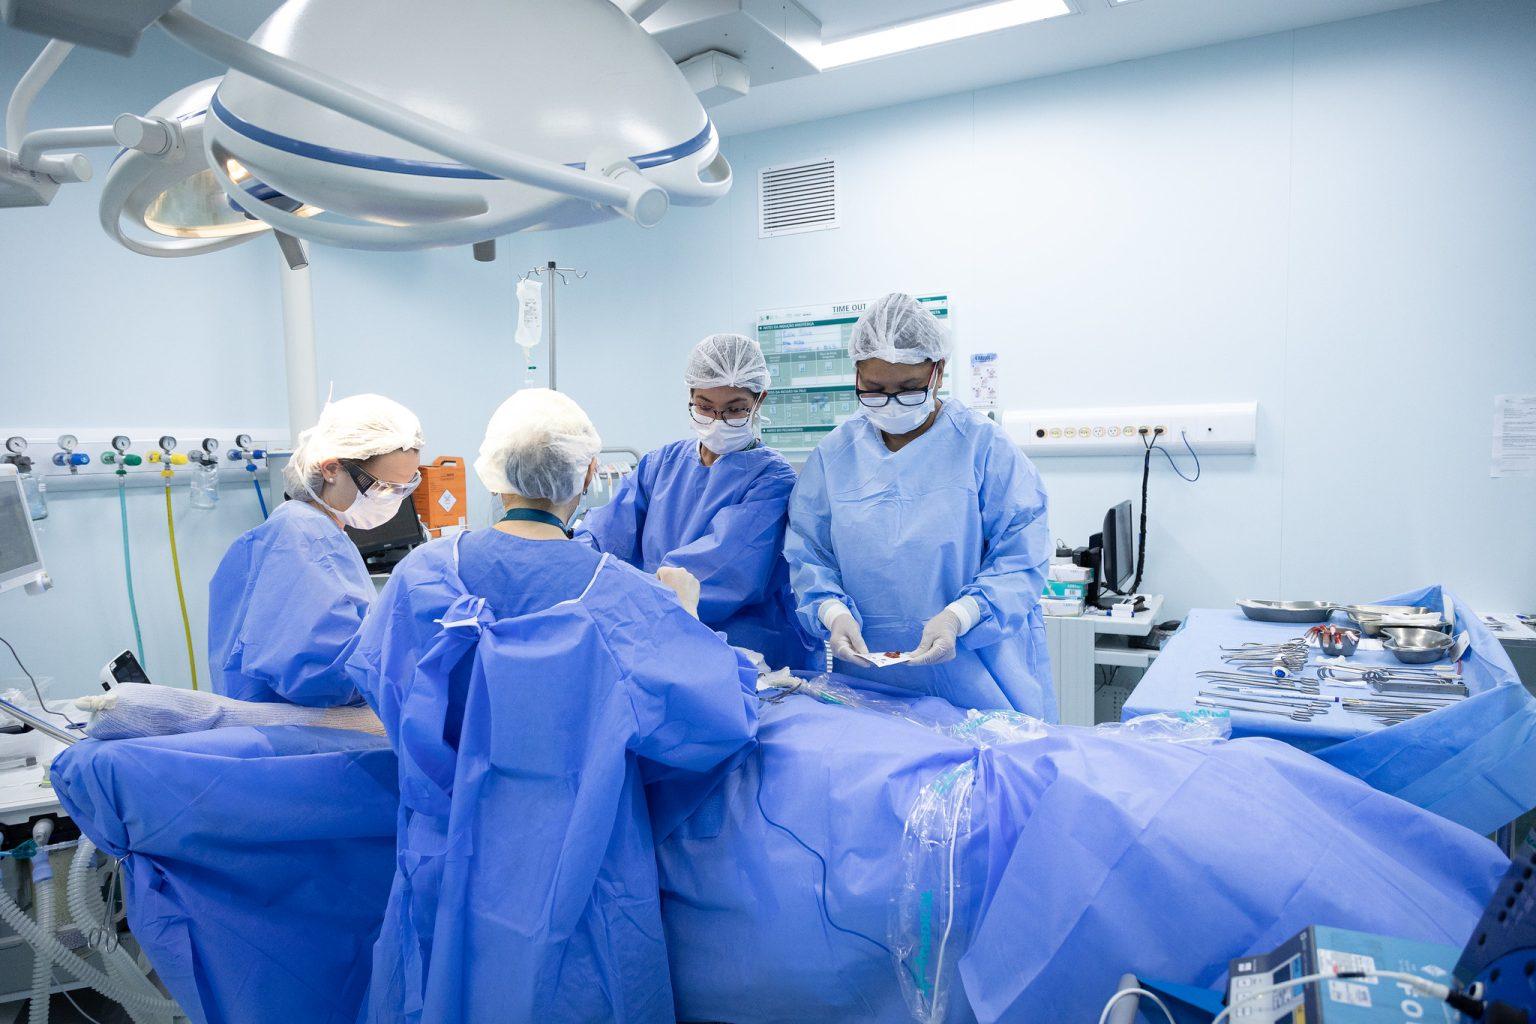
x,y
918,527
285,603
715,504
531,687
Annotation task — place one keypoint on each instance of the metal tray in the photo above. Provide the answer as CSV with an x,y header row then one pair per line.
x,y
1286,611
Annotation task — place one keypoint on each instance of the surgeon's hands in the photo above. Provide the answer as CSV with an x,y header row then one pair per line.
x,y
846,639
682,583
938,642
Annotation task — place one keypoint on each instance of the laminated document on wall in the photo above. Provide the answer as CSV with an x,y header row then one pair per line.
x,y
1514,435
813,386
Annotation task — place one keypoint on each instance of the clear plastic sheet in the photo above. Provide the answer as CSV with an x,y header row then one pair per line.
x,y
930,920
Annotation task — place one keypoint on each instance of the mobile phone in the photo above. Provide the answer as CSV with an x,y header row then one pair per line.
x,y
124,668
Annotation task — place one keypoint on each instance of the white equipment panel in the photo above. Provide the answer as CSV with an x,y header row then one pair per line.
x,y
1229,428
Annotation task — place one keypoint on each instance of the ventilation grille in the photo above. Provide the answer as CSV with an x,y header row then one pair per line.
x,y
797,197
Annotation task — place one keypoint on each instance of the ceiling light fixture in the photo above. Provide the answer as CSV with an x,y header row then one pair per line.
x,y
943,28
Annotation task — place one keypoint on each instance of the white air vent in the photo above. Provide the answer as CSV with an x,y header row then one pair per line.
x,y
797,197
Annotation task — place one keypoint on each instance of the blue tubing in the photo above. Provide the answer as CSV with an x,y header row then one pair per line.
x,y
260,496
133,607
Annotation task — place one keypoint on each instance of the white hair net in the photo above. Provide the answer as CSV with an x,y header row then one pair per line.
x,y
727,361
358,428
537,445
898,329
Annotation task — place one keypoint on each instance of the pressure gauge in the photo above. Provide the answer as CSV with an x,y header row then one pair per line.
x,y
210,446
243,442
15,445
68,442
167,443
121,444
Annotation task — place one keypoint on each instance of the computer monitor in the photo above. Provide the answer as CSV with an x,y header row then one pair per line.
x,y
21,560
1119,560
383,546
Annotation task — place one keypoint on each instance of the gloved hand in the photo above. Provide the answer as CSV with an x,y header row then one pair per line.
x,y
939,637
682,583
846,639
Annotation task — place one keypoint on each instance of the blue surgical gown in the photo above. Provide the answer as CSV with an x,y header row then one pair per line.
x,y
723,523
284,609
531,689
896,536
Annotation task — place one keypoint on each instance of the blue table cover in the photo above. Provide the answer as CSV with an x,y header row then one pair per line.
x,y
1473,762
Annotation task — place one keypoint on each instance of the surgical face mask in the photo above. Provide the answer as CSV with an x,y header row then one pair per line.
x,y
722,438
895,418
367,511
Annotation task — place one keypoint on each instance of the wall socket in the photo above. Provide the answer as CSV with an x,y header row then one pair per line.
x,y
1229,428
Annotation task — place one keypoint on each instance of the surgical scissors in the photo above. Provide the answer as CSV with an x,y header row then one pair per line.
x,y
1279,659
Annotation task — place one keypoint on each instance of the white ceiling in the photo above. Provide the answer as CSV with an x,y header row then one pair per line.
x,y
1098,34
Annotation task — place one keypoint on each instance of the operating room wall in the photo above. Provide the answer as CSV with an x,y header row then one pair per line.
x,y
1335,222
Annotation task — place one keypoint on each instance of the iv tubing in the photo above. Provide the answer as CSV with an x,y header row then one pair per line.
x,y
133,607
181,596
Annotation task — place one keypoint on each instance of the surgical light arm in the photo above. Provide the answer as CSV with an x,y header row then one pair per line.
x,y
618,185
155,136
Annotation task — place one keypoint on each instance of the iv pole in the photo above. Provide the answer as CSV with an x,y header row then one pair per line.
x,y
554,273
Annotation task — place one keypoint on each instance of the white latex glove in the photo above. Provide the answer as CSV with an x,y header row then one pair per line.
x,y
938,643
682,583
846,639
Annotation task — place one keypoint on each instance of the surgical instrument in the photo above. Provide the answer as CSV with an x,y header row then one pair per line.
x,y
1279,659
1255,706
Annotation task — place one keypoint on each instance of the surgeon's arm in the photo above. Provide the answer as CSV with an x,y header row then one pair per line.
x,y
1017,546
734,561
300,627
615,528
694,697
813,570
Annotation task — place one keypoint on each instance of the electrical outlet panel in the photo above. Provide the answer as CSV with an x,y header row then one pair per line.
x,y
1229,428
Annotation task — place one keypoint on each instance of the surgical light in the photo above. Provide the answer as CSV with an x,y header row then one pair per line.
x,y
171,204
457,122
943,28
381,124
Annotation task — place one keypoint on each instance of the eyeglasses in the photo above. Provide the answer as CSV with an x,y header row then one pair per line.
x,y
881,399
372,486
731,417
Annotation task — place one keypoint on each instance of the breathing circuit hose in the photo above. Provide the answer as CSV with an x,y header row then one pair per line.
x,y
42,966
133,605
46,944
85,905
181,595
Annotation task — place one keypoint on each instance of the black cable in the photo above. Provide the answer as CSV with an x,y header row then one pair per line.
x,y
1174,466
41,703
826,910
1141,538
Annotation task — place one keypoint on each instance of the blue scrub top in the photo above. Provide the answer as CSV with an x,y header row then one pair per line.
x,y
531,689
284,608
723,523
897,536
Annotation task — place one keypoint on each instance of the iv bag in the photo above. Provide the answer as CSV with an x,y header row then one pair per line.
x,y
530,312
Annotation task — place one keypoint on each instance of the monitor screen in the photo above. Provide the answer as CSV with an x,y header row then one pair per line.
x,y
19,558
403,531
1119,547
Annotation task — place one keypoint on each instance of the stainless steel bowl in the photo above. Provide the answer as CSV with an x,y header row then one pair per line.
x,y
1372,625
1419,647
1348,641
1403,636
1378,610
1287,611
